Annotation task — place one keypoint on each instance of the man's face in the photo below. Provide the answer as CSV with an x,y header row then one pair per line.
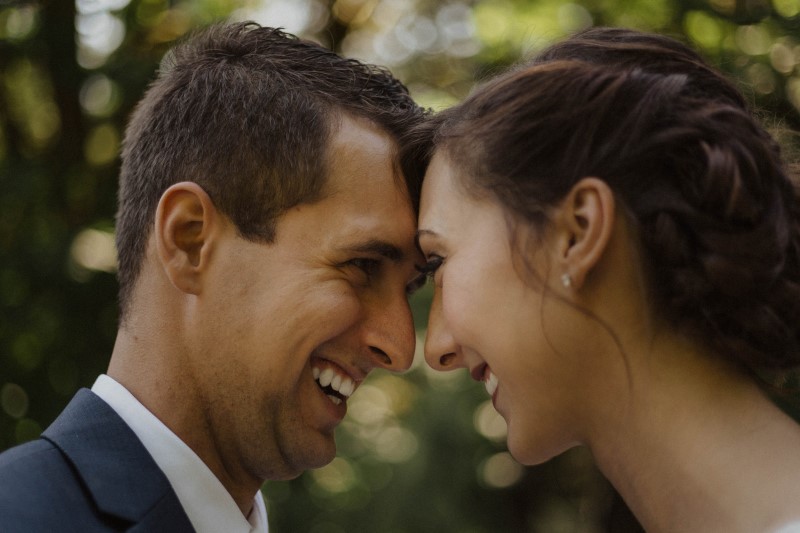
x,y
326,302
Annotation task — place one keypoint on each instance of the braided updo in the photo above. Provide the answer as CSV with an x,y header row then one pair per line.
x,y
716,211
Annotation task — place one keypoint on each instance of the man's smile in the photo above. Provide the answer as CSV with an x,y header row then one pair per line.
x,y
333,380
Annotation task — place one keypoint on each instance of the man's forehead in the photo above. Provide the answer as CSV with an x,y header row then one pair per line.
x,y
366,203
353,139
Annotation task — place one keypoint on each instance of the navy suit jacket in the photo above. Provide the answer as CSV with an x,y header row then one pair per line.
x,y
88,472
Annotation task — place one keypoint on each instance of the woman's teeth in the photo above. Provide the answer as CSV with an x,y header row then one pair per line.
x,y
491,383
336,386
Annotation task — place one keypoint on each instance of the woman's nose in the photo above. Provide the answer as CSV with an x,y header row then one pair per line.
x,y
441,351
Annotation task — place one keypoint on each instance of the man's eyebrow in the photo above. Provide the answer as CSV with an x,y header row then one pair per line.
x,y
387,250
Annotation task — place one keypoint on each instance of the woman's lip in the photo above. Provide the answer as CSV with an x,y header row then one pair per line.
x,y
483,374
479,372
491,384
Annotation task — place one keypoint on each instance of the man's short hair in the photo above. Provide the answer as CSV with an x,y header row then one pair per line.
x,y
246,112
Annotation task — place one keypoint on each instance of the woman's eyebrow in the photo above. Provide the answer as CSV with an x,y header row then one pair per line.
x,y
421,232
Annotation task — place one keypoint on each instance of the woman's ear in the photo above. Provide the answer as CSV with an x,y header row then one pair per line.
x,y
184,229
587,223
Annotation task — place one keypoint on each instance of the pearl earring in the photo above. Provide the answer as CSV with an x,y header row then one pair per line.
x,y
566,280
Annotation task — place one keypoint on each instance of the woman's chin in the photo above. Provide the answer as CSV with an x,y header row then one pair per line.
x,y
533,450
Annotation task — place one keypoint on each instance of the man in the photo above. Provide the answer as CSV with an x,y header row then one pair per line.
x,y
266,241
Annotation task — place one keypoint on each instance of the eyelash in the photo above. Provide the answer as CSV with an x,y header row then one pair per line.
x,y
416,284
426,272
429,269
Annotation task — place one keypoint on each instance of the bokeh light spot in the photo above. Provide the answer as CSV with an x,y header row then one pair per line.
x,y
574,17
95,6
353,12
489,423
753,40
493,22
782,57
787,8
724,7
18,24
26,350
30,98
338,476
27,429
457,30
14,400
396,444
295,16
793,91
102,145
94,250
500,471
100,96
762,78
703,29
369,405
99,34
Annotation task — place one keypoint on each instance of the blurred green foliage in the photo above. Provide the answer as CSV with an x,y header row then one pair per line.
x,y
422,452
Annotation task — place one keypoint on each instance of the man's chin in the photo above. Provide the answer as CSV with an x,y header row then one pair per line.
x,y
324,457
311,457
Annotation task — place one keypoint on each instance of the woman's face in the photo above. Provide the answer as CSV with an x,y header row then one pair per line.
x,y
511,334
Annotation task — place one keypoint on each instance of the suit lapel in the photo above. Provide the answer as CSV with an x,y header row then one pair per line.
x,y
116,468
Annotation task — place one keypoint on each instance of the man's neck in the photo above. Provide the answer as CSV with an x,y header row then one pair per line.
x,y
155,378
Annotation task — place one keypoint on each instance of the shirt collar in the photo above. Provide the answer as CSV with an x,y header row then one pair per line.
x,y
207,503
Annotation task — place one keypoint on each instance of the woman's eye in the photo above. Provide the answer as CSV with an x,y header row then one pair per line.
x,y
426,272
429,269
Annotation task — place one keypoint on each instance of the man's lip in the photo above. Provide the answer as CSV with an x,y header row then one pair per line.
x,y
355,374
335,413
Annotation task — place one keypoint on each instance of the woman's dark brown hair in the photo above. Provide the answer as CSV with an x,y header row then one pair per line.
x,y
716,212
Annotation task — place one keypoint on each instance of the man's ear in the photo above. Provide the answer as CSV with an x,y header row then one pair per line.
x,y
184,225
587,223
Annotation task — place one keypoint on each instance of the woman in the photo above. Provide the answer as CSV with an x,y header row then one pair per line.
x,y
615,248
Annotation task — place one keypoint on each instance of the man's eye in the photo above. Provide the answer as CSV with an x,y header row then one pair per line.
x,y
368,266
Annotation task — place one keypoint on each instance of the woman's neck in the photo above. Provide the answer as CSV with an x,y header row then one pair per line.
x,y
697,446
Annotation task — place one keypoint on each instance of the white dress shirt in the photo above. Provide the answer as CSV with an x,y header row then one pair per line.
x,y
209,506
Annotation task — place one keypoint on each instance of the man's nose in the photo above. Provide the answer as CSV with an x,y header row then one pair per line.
x,y
390,335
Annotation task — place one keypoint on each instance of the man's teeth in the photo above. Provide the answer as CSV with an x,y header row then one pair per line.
x,y
343,385
491,383
326,377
